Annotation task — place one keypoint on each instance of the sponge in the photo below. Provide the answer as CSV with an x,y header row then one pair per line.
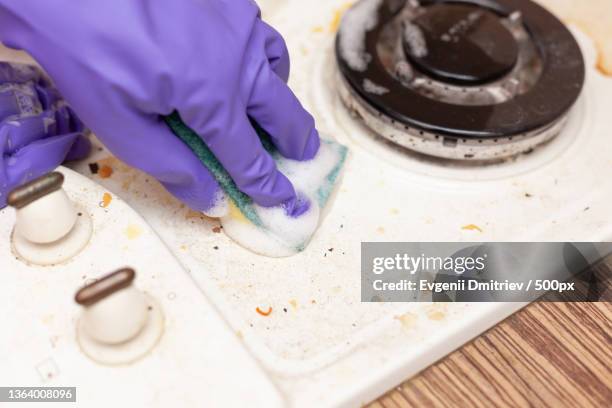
x,y
314,178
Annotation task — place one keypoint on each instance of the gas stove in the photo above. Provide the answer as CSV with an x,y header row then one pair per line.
x,y
319,345
463,80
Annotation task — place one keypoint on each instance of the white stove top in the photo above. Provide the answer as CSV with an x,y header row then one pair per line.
x,y
321,345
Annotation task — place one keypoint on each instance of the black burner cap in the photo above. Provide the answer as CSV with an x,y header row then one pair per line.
x,y
460,43
556,90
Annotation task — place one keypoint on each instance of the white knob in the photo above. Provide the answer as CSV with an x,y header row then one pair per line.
x,y
115,310
44,212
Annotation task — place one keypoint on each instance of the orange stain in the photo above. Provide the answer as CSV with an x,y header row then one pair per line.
x,y
264,313
106,200
105,171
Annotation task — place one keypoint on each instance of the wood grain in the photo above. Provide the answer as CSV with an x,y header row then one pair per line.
x,y
547,355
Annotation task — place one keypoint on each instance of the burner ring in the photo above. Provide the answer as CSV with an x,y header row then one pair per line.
x,y
559,84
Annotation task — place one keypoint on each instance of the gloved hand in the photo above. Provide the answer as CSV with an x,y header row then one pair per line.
x,y
121,64
38,131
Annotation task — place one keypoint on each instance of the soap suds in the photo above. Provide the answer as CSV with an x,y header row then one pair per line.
x,y
416,40
374,88
220,207
356,23
281,235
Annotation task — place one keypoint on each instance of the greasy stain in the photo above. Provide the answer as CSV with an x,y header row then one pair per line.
x,y
472,227
407,320
293,303
338,13
436,312
191,214
133,231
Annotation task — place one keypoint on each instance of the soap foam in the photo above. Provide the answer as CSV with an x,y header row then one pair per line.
x,y
414,37
360,19
220,207
281,235
373,88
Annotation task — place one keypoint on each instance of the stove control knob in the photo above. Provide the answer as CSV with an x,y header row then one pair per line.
x,y
44,211
119,323
115,311
48,229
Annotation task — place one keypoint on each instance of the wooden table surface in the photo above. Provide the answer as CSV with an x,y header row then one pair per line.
x,y
546,355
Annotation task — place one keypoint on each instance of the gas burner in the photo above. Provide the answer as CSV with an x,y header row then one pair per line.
x,y
466,80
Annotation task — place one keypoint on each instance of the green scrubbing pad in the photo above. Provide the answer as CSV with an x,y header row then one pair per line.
x,y
243,202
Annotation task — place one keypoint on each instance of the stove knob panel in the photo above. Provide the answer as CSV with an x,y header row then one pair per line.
x,y
49,227
119,323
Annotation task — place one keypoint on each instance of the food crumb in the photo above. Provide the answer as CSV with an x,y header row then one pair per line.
x,y
217,230
293,303
216,248
105,171
106,200
264,313
93,168
472,227
528,195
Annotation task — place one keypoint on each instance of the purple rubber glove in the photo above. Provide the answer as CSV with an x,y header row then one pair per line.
x,y
38,131
121,64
